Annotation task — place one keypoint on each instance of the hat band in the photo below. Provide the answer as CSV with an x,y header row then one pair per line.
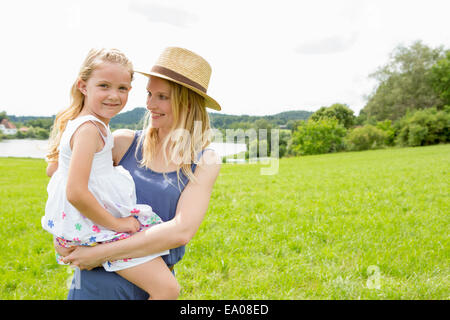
x,y
177,77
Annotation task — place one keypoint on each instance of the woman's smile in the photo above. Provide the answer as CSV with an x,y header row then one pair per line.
x,y
156,115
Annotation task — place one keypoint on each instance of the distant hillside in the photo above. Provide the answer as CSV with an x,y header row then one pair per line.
x,y
218,120
221,120
129,117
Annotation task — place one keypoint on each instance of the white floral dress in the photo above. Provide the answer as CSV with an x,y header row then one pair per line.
x,y
114,189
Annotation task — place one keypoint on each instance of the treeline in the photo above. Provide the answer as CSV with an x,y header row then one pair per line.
x,y
134,120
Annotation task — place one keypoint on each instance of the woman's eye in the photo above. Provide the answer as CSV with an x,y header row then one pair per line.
x,y
103,85
149,93
162,97
123,88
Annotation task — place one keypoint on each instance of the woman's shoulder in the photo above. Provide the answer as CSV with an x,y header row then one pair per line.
x,y
210,161
124,134
123,139
209,156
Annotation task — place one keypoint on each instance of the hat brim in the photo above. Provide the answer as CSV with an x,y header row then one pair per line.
x,y
209,102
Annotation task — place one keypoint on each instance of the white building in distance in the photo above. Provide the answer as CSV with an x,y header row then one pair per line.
x,y
7,127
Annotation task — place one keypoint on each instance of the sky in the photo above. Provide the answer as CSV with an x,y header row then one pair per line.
x,y
266,56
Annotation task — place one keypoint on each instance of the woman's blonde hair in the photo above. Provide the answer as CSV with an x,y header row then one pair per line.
x,y
188,136
94,58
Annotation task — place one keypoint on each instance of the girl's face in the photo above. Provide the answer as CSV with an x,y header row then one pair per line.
x,y
106,90
159,104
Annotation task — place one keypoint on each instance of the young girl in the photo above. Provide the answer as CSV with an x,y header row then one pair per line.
x,y
89,200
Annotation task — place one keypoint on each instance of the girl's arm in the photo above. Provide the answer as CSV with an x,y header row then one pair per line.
x,y
191,209
51,168
83,150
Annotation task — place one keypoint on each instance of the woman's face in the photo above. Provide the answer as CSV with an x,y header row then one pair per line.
x,y
159,104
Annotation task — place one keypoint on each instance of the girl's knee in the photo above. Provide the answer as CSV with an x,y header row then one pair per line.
x,y
173,291
169,292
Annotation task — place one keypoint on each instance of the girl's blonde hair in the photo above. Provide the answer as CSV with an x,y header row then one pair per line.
x,y
189,132
94,58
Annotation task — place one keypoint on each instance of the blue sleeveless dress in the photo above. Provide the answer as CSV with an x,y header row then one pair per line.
x,y
159,191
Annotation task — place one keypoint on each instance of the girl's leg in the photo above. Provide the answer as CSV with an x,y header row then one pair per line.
x,y
154,277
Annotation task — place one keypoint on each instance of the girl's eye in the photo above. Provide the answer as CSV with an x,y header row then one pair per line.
x,y
162,97
103,85
123,88
149,93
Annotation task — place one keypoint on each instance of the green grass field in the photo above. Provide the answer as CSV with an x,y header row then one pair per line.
x,y
360,225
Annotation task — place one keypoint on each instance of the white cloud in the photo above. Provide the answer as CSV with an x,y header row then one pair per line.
x,y
161,13
327,45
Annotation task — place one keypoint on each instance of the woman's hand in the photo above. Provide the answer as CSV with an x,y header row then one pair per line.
x,y
84,257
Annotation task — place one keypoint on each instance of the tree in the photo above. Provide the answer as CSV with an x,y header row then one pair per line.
x,y
3,115
338,111
44,123
403,83
285,136
440,78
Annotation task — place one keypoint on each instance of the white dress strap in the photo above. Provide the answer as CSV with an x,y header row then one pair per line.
x,y
94,122
73,125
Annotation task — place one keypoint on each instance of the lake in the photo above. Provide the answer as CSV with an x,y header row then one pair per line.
x,y
27,148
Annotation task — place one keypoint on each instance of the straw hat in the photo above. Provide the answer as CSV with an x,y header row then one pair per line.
x,y
187,69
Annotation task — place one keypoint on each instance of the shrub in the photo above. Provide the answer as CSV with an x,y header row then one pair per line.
x,y
365,138
316,137
416,135
424,127
390,131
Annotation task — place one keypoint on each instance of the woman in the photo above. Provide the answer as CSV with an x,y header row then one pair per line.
x,y
173,171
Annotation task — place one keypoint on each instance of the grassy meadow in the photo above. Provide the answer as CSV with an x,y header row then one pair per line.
x,y
357,225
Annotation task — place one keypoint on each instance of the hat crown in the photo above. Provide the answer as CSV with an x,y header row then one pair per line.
x,y
186,63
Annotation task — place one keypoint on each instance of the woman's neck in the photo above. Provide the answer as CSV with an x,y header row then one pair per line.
x,y
163,133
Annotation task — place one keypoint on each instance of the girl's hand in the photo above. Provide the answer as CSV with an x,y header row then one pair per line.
x,y
129,225
51,168
61,250
84,257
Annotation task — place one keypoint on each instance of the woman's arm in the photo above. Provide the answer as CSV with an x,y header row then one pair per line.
x,y
191,209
